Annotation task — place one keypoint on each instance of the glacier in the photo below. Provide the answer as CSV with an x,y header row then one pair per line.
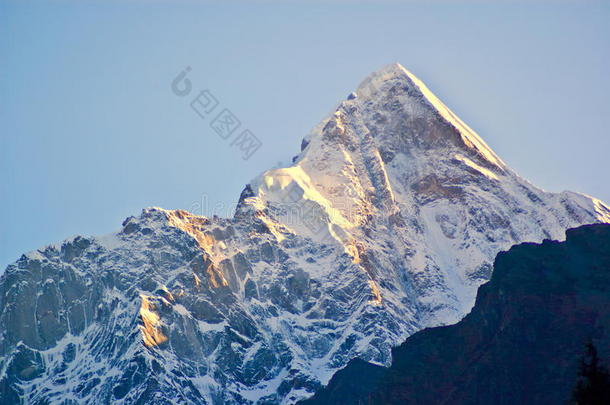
x,y
385,223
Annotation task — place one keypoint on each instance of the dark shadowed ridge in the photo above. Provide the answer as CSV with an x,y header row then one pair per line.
x,y
521,344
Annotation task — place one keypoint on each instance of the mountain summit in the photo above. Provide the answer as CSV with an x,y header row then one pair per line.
x,y
387,222
423,98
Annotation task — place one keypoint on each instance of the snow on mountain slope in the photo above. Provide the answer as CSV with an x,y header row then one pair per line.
x,y
386,223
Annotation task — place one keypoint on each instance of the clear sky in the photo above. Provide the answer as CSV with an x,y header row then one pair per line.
x,y
90,131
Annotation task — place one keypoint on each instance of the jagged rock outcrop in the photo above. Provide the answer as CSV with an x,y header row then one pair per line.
x,y
386,223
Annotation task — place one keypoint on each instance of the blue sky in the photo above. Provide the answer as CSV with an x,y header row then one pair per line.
x,y
90,131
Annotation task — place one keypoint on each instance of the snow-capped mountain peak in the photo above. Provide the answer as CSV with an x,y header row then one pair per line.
x,y
344,160
386,222
416,96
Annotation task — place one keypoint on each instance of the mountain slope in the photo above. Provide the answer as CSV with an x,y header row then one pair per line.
x,y
521,344
386,223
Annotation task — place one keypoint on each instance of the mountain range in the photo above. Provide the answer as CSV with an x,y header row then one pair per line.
x,y
386,222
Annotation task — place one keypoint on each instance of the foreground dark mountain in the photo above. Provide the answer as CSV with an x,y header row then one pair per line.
x,y
521,344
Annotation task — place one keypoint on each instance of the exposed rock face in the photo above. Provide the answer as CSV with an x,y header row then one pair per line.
x,y
386,223
521,344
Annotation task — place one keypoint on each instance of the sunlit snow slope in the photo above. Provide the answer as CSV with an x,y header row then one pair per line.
x,y
386,223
